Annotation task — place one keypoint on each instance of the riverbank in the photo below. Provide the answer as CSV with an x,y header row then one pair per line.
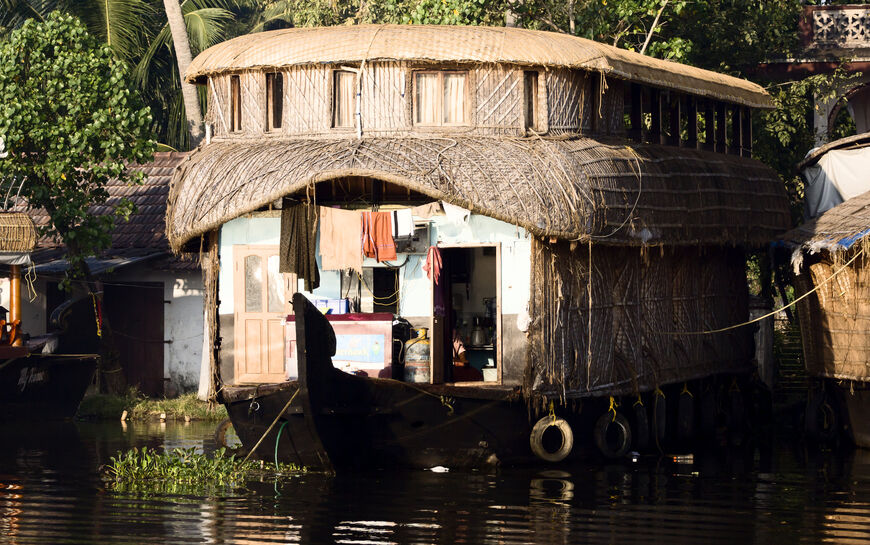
x,y
184,408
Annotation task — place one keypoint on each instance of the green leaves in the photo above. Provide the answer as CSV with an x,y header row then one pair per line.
x,y
71,124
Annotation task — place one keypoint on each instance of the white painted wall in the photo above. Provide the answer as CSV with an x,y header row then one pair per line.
x,y
182,321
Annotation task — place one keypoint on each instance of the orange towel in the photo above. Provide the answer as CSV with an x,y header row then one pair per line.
x,y
377,236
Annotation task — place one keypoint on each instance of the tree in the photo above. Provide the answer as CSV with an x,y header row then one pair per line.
x,y
71,123
183,57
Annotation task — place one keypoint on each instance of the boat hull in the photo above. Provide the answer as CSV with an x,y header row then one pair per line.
x,y
44,386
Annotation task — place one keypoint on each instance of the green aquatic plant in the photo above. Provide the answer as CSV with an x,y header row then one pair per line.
x,y
185,471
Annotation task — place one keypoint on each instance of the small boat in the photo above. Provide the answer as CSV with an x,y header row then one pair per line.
x,y
35,382
329,419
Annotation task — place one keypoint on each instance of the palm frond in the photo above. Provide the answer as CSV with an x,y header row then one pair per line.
x,y
120,23
13,13
206,27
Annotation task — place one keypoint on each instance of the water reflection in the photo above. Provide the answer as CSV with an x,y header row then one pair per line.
x,y
51,491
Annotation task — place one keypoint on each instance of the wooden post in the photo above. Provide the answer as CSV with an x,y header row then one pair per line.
x,y
736,147
709,126
674,120
15,300
636,130
692,122
655,129
721,133
746,150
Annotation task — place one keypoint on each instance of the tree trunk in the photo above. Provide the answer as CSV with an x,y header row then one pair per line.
x,y
182,54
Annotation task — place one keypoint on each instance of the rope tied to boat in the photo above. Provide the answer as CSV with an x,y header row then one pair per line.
x,y
552,414
612,409
447,401
272,425
686,390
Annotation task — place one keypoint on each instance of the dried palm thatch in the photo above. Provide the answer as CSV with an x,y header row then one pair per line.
x,y
568,188
606,318
835,319
835,231
17,232
464,44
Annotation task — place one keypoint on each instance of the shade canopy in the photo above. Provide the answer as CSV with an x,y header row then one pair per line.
x,y
580,189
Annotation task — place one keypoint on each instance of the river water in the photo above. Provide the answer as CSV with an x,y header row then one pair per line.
x,y
51,492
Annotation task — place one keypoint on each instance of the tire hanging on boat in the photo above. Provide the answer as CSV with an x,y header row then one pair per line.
x,y
536,439
660,417
640,431
612,425
686,414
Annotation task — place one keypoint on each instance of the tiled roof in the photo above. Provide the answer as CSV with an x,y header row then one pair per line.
x,y
145,228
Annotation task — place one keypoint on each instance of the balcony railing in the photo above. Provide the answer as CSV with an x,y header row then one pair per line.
x,y
836,27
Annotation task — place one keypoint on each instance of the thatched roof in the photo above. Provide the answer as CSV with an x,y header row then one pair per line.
x,y
835,231
849,142
17,233
567,188
464,44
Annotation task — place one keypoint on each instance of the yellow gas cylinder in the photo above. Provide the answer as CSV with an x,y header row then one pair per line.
x,y
417,358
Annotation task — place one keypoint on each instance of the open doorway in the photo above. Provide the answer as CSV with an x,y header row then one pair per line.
x,y
466,321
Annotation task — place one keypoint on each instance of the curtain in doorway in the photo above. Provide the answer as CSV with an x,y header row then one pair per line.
x,y
297,248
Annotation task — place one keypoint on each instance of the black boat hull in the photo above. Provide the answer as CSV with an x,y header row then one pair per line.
x,y
44,386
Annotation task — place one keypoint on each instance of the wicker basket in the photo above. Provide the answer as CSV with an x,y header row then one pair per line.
x,y
17,232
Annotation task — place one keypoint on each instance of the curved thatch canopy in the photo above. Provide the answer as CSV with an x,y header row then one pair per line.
x,y
464,44
17,232
567,188
835,231
849,142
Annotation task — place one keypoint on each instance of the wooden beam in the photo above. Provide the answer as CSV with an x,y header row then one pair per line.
x,y
635,132
674,119
709,126
692,122
15,301
721,133
736,130
746,150
655,129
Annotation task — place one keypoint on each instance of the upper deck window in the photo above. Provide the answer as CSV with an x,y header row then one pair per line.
x,y
441,98
530,80
274,100
344,92
235,104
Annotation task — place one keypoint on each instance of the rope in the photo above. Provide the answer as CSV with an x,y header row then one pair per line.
x,y
97,316
276,442
272,425
613,405
686,390
769,314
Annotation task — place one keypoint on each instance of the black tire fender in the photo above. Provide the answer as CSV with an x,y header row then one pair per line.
x,y
640,432
536,439
612,421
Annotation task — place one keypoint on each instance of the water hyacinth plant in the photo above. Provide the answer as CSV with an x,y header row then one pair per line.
x,y
185,471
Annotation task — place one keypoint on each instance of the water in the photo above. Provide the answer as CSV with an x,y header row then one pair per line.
x,y
51,492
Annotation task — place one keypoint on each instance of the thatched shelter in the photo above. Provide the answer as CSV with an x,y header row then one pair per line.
x,y
636,223
834,319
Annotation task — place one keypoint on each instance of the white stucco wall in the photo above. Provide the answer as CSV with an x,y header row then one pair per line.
x,y
182,321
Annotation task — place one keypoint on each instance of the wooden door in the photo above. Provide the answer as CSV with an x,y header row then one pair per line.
x,y
260,302
134,312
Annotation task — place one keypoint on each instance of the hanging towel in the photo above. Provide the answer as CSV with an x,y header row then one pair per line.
x,y
377,236
455,214
340,237
296,253
403,223
433,263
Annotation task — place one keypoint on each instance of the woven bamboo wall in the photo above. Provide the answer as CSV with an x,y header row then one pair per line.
x,y
568,100
498,92
835,321
637,302
496,95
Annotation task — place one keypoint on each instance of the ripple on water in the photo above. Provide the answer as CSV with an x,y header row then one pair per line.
x,y
51,492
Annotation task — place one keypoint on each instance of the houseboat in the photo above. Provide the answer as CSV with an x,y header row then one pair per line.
x,y
830,262
566,221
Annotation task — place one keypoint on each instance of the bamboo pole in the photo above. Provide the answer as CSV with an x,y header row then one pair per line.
x,y
15,299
